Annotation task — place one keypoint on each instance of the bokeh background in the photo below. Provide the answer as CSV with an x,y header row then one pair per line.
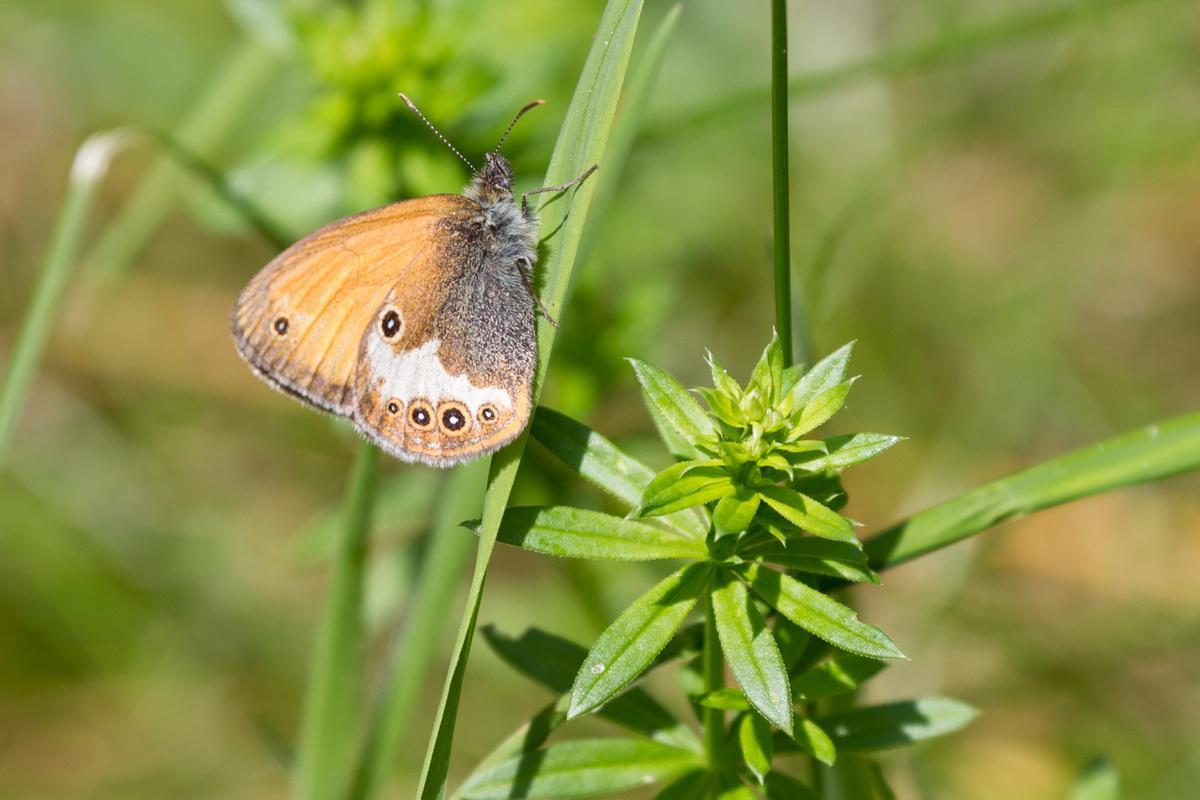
x,y
1000,201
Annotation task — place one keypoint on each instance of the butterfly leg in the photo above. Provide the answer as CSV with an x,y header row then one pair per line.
x,y
526,270
561,187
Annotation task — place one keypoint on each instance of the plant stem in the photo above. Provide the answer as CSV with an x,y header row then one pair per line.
x,y
441,573
714,679
90,164
330,703
779,172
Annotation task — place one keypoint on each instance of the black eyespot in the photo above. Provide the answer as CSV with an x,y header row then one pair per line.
x,y
420,416
390,324
487,414
281,326
392,407
453,419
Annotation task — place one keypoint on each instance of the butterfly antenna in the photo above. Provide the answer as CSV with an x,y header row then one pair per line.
x,y
527,107
436,132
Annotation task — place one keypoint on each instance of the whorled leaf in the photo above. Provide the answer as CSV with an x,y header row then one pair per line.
x,y
818,614
808,514
674,404
577,533
630,644
685,485
897,724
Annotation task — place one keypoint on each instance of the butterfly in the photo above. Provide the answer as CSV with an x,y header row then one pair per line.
x,y
415,320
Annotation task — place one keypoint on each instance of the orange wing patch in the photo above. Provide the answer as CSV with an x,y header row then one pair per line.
x,y
300,321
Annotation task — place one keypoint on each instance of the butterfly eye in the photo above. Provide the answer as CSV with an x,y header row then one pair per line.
x,y
393,407
281,326
487,414
390,324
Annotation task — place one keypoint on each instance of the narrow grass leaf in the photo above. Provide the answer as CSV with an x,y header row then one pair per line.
x,y
817,556
846,451
554,661
584,768
751,652
1148,454
897,724
630,644
819,614
840,674
824,375
672,402
581,144
578,533
754,736
87,171
883,791
323,760
808,515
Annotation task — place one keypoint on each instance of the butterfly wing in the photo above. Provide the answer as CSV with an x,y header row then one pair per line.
x,y
453,380
300,321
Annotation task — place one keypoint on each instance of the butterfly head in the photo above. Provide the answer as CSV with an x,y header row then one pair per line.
x,y
496,172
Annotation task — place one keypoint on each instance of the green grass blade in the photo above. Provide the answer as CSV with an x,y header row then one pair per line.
x,y
578,533
1147,454
441,574
581,144
584,768
90,164
330,715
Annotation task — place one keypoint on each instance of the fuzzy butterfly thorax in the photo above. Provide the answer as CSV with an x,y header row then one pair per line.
x,y
415,320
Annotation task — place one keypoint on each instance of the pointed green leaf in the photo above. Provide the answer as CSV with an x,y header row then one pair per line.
x,y
591,455
842,673
768,372
723,408
818,556
577,533
729,698
672,402
751,652
807,514
735,791
845,451
554,661
812,739
630,644
897,724
736,511
754,735
583,768
819,614
820,409
825,374
723,382
684,485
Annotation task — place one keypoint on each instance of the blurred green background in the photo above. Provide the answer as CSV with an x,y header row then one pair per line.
x,y
999,201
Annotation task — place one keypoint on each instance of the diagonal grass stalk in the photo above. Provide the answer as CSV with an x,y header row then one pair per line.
x,y
323,761
88,169
582,143
415,647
